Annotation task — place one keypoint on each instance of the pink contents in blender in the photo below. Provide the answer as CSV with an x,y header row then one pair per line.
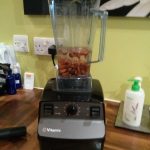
x,y
73,62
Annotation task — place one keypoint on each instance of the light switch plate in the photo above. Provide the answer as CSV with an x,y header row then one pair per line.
x,y
20,43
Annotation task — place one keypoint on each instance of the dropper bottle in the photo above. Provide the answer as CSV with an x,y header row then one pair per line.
x,y
10,83
17,76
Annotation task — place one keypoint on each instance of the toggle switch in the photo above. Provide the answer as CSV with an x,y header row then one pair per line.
x,y
95,111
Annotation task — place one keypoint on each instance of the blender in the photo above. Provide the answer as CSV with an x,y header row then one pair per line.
x,y
71,110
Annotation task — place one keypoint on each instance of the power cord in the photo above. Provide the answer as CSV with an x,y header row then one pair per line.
x,y
52,52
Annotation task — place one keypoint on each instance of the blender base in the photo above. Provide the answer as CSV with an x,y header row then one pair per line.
x,y
55,144
71,120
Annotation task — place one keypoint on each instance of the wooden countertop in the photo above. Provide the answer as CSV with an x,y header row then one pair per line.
x,y
22,109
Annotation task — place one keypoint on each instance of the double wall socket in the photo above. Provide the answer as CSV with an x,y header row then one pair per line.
x,y
41,45
20,43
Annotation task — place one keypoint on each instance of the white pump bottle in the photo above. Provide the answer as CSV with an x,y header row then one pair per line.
x,y
133,104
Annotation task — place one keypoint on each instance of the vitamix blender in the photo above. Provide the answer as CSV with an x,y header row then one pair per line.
x,y
71,110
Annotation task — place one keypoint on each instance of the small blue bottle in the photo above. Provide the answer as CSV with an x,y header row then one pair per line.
x,y
10,83
17,78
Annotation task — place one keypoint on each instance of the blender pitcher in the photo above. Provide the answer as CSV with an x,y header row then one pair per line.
x,y
74,26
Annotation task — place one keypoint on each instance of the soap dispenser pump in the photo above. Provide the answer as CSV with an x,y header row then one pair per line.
x,y
133,104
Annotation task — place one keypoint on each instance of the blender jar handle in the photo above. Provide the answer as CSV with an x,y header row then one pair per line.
x,y
103,15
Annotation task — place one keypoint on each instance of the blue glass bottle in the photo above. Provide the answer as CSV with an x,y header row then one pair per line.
x,y
10,83
17,78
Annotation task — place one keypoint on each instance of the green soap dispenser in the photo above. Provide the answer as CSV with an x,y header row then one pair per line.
x,y
133,104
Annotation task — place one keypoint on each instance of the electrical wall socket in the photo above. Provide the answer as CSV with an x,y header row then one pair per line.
x,y
41,45
20,43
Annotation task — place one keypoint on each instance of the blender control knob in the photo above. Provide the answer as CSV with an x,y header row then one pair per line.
x,y
71,110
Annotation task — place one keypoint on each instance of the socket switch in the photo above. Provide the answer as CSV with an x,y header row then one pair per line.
x,y
41,45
